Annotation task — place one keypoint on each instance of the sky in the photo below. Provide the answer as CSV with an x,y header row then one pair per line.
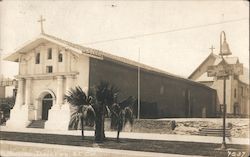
x,y
187,29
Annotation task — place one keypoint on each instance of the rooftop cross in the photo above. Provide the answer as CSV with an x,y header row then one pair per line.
x,y
212,49
41,21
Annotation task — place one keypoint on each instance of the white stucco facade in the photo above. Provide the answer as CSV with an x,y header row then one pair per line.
x,y
43,75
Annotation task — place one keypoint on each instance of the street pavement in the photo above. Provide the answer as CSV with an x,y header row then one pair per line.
x,y
133,135
35,149
29,149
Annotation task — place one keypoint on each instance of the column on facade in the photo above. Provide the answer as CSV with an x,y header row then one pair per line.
x,y
65,57
59,92
55,60
20,93
27,92
68,61
69,82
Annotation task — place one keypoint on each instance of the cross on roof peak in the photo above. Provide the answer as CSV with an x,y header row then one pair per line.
x,y
41,20
212,49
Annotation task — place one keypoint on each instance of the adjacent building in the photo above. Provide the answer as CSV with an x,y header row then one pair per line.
x,y
237,86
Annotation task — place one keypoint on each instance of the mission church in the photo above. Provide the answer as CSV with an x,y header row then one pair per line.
x,y
49,67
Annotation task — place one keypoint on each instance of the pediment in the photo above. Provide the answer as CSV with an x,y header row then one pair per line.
x,y
45,39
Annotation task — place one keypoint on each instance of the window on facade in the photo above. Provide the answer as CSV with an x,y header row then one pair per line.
x,y
242,91
49,53
49,69
235,93
60,57
38,58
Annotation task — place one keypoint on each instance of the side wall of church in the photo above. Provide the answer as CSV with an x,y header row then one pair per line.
x,y
82,66
161,95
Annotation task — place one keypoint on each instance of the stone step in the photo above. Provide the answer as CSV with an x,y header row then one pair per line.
x,y
37,124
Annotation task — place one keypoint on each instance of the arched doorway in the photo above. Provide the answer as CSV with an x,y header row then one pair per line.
x,y
47,103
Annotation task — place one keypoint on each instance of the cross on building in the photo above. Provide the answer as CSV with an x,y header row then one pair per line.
x,y
41,21
212,49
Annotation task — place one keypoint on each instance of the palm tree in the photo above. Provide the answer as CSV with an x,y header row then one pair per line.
x,y
105,98
121,114
81,109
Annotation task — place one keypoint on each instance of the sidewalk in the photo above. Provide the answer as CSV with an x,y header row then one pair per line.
x,y
41,150
132,135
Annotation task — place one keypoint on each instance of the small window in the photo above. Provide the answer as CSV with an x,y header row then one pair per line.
x,y
49,69
235,93
60,57
49,53
242,91
38,58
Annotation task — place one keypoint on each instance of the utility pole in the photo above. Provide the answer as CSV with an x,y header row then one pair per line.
x,y
139,92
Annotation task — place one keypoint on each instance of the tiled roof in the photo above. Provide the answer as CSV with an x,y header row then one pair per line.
x,y
119,59
86,50
112,57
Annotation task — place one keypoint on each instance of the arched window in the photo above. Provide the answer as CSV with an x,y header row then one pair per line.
x,y
38,58
60,57
49,53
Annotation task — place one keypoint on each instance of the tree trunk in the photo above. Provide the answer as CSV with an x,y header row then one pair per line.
x,y
98,127
102,126
82,128
118,134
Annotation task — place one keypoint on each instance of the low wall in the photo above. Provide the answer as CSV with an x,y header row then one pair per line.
x,y
239,126
185,126
145,126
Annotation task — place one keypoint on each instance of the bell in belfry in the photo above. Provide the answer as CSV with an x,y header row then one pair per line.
x,y
224,48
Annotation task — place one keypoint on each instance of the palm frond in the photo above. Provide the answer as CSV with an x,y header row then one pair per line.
x,y
120,116
76,96
81,108
89,116
74,121
129,102
105,93
108,111
128,116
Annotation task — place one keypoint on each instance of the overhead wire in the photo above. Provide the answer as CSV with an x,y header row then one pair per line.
x,y
157,33
163,32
